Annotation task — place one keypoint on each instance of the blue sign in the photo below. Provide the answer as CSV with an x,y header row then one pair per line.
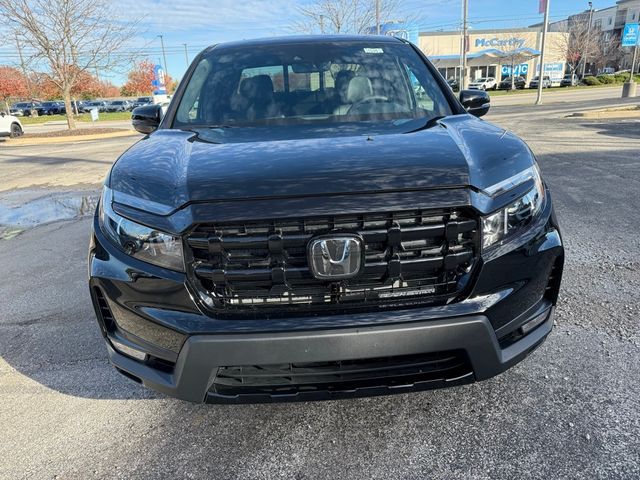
x,y
555,71
158,82
521,69
630,37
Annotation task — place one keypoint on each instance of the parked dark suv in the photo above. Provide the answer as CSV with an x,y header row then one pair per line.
x,y
510,83
318,218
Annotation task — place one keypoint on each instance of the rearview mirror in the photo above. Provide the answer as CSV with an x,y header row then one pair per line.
x,y
476,102
146,119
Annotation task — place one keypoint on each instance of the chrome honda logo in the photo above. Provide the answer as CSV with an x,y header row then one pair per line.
x,y
336,257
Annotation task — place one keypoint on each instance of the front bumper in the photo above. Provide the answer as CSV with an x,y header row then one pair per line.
x,y
185,352
194,375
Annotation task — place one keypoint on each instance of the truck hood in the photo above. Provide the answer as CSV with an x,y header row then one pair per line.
x,y
172,168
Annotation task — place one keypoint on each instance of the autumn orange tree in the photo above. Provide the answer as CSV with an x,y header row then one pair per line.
x,y
12,84
139,80
86,87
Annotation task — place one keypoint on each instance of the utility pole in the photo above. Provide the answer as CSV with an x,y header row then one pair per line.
x,y
186,54
588,42
465,31
322,24
544,43
377,17
164,57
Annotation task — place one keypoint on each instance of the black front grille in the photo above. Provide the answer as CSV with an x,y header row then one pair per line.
x,y
341,376
411,257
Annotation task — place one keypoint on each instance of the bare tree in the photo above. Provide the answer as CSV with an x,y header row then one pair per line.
x,y
345,16
69,37
606,53
579,42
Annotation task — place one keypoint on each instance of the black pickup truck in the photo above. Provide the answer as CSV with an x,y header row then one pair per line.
x,y
319,218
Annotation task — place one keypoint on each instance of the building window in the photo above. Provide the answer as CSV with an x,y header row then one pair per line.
x,y
610,20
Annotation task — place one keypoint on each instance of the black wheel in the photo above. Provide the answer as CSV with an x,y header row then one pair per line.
x,y
16,130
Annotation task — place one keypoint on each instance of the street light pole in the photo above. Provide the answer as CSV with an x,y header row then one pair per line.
x,y
377,17
465,29
584,64
164,57
544,43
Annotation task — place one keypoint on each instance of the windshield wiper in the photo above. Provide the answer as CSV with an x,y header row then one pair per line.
x,y
428,124
203,126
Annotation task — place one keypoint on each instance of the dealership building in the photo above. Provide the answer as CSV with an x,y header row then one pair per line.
x,y
497,53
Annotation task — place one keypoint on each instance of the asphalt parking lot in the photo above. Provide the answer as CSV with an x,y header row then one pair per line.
x,y
568,411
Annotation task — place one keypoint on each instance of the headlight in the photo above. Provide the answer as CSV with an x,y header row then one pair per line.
x,y
143,243
506,222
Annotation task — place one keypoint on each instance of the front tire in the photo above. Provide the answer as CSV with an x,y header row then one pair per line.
x,y
16,131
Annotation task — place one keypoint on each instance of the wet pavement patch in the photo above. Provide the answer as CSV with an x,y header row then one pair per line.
x,y
23,209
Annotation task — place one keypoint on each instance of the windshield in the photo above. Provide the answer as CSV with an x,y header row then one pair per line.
x,y
308,83
481,80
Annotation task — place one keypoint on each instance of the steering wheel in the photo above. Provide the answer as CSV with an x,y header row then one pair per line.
x,y
371,99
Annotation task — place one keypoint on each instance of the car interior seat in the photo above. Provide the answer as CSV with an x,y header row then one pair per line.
x,y
358,89
257,93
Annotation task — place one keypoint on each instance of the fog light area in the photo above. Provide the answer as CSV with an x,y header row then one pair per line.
x,y
128,351
534,322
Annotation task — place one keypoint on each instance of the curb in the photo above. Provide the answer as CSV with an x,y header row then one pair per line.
x,y
607,114
25,142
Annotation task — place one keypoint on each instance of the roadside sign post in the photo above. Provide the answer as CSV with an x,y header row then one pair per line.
x,y
94,114
631,38
633,62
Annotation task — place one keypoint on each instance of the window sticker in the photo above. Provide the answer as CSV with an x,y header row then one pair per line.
x,y
373,50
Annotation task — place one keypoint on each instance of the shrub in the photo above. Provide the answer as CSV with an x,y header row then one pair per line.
x,y
591,81
624,77
621,77
606,79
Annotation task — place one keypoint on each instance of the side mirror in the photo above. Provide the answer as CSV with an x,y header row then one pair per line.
x,y
476,102
146,119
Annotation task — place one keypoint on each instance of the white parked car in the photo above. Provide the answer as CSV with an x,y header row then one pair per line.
x,y
485,83
10,126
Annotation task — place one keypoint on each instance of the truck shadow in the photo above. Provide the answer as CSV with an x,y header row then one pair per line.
x,y
618,128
